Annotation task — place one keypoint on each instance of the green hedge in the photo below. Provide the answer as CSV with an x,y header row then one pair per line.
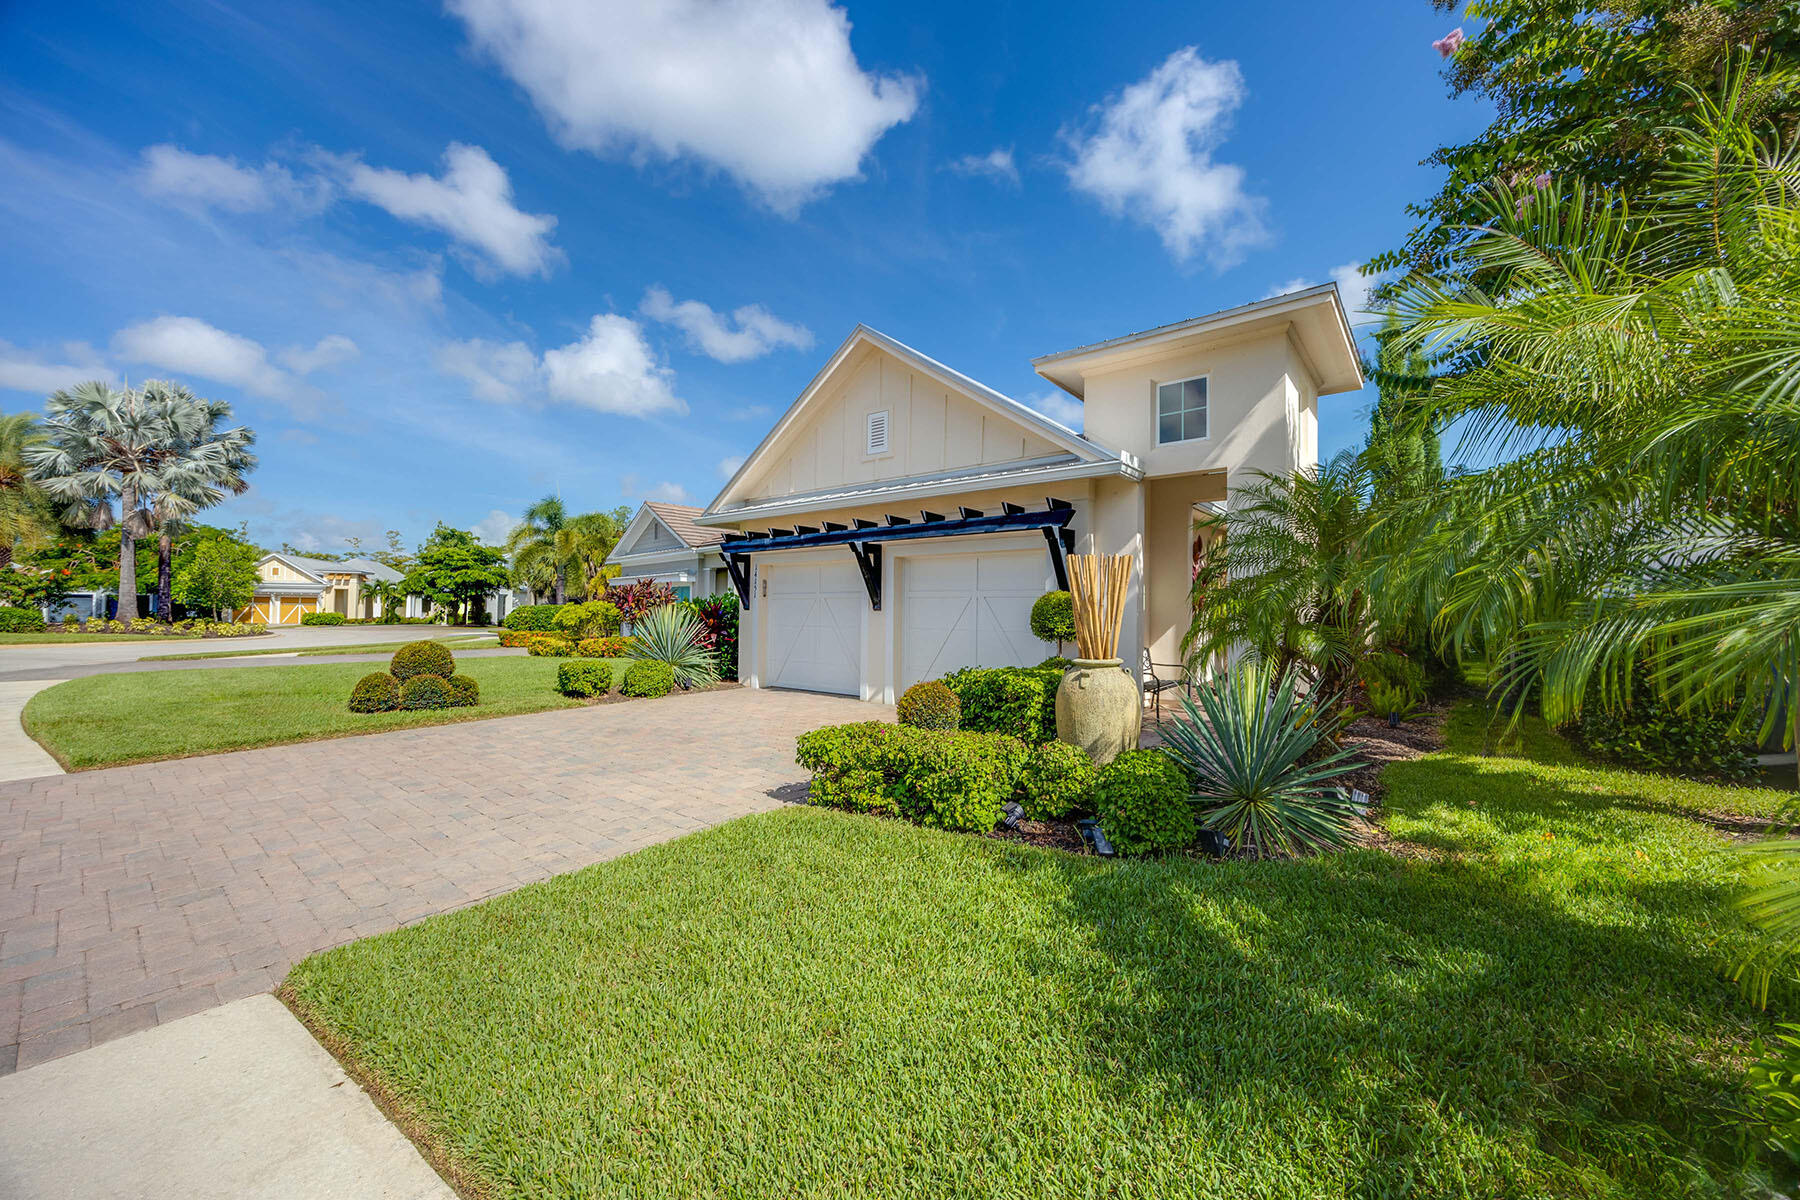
x,y
941,778
540,617
1058,779
648,677
1019,702
584,677
322,619
1142,801
20,620
1651,734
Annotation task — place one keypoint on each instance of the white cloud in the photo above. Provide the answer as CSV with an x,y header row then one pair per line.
x,y
210,181
498,372
667,492
493,528
768,91
472,202
23,371
996,164
1150,157
728,466
1353,289
1058,406
758,330
333,350
189,346
611,370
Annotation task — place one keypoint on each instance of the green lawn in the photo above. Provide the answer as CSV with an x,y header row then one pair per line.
x,y
810,1003
105,720
456,641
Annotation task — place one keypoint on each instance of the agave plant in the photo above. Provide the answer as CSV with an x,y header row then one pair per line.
x,y
674,634
1245,744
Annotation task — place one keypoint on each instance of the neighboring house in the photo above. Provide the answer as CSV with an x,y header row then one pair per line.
x,y
293,586
900,518
495,604
663,544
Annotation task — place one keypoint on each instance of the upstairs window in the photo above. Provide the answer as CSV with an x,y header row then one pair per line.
x,y
878,432
1181,411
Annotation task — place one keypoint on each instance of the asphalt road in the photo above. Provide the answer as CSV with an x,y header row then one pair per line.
x,y
54,660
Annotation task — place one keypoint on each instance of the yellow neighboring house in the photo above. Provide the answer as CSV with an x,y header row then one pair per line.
x,y
293,586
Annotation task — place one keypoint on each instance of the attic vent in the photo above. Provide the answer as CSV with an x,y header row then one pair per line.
x,y
878,432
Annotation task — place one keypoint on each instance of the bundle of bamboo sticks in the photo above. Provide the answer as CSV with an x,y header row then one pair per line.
x,y
1097,584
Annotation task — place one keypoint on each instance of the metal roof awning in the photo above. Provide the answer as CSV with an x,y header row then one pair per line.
x,y
865,539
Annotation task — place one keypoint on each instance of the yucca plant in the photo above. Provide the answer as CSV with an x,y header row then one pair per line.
x,y
674,634
1244,740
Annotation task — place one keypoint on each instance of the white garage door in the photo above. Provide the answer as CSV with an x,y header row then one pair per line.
x,y
815,627
970,610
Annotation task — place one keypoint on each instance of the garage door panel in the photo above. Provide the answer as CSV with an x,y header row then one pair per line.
x,y
815,628
963,610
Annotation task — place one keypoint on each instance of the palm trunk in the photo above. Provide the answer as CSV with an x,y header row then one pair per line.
x,y
165,553
127,558
559,585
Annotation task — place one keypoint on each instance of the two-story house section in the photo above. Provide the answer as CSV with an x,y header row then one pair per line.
x,y
900,518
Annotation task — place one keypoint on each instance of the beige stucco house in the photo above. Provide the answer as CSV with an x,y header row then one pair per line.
x,y
293,586
900,518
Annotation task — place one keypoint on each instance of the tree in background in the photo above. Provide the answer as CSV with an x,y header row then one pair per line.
x,y
386,593
218,575
393,554
595,536
1402,454
27,518
455,570
1591,91
214,456
542,546
132,459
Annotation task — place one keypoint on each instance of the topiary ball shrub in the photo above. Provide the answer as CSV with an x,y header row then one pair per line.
x,y
1056,662
584,677
464,692
423,658
1058,779
549,645
425,691
648,677
20,620
1053,618
930,705
322,619
379,692
1141,798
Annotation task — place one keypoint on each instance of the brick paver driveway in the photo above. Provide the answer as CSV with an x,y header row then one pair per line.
x,y
140,894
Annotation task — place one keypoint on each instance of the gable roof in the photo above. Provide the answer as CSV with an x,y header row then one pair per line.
x,y
1314,315
679,518
317,568
1078,445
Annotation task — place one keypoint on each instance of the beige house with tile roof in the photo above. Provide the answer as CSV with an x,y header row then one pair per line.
x,y
292,586
664,544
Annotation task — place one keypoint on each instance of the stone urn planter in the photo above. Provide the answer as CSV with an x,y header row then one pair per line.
x,y
1099,708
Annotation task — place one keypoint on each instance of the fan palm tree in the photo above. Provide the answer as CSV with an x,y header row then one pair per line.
x,y
26,515
542,545
136,458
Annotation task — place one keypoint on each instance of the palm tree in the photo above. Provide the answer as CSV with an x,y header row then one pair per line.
x,y
596,535
541,546
385,593
135,458
25,513
1285,584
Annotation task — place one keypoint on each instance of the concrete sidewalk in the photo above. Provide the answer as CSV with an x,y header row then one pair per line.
x,y
20,756
238,1103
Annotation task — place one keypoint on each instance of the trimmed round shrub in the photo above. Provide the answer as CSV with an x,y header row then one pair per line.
x,y
584,677
929,705
20,620
464,691
589,619
532,616
648,677
1053,617
1141,798
379,692
549,645
322,619
603,647
423,658
1058,779
425,691
1056,662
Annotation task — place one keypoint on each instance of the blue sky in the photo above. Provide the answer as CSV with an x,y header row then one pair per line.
x,y
446,259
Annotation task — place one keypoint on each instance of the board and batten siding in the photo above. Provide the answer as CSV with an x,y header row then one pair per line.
x,y
931,428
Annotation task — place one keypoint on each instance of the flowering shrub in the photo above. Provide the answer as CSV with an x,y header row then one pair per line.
x,y
549,645
603,647
188,628
514,638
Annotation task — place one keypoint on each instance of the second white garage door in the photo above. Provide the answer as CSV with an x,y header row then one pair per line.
x,y
815,627
970,610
